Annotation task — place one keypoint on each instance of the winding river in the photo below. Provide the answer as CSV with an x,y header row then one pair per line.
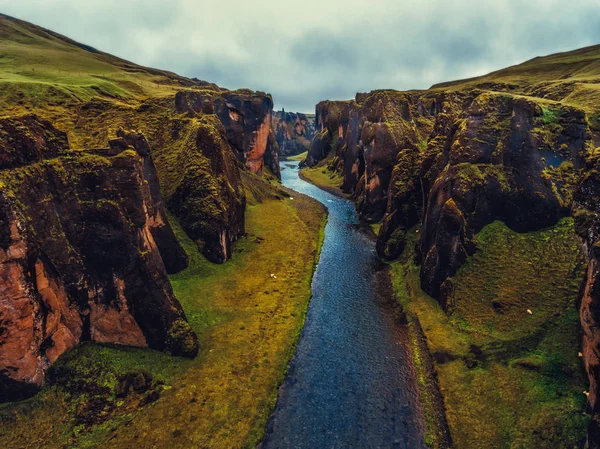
x,y
350,383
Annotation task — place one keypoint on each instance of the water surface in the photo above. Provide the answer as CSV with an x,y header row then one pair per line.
x,y
350,383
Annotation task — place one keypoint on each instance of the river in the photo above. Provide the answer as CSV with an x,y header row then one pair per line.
x,y
350,383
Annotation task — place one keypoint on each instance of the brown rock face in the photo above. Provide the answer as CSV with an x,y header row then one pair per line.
x,y
78,257
586,210
456,162
499,165
293,132
247,118
331,120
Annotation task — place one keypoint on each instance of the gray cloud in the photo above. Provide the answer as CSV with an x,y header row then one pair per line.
x,y
321,49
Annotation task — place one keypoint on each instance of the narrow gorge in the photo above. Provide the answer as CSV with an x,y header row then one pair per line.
x,y
184,266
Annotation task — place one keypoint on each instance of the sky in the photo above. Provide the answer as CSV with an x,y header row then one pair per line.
x,y
306,51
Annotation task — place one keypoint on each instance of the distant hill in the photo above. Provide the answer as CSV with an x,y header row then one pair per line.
x,y
572,78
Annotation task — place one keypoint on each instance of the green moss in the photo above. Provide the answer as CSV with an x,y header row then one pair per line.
x,y
509,378
550,115
182,339
479,175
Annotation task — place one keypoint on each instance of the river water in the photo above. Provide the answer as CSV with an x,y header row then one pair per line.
x,y
350,383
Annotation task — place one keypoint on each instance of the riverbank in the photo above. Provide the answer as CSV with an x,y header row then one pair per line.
x,y
505,352
323,179
248,323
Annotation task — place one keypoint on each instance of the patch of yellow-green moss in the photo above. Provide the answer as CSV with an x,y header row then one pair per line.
x,y
506,353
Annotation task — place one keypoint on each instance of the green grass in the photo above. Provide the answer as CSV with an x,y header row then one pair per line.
x,y
509,379
322,177
569,77
298,157
39,68
550,116
247,322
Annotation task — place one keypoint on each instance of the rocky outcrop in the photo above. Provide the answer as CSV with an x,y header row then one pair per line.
x,y
586,210
455,162
200,139
365,136
331,121
247,118
82,234
204,185
503,163
293,132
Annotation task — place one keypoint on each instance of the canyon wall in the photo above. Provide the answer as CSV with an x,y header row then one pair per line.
x,y
83,236
200,139
293,132
247,117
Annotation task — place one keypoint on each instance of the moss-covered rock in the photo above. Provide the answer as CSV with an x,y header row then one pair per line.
x,y
78,258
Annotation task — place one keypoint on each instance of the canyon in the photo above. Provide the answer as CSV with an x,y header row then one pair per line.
x,y
158,260
517,147
293,131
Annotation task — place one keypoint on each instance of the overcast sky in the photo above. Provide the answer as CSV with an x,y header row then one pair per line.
x,y
310,50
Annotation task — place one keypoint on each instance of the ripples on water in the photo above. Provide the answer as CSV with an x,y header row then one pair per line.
x,y
349,384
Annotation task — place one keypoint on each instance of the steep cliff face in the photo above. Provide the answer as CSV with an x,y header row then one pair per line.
x,y
247,118
586,210
293,131
455,161
502,162
201,138
364,137
82,239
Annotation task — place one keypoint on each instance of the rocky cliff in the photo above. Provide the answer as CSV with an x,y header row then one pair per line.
x,y
293,131
83,236
247,118
201,135
586,210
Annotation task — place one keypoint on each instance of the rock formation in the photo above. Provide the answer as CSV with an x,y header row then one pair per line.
x,y
293,132
247,118
83,235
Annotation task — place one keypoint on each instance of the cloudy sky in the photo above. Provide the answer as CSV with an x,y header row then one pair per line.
x,y
310,50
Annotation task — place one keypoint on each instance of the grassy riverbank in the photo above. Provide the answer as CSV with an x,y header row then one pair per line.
x,y
297,157
248,323
509,378
323,178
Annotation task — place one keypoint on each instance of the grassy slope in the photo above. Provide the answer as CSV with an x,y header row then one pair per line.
x,y
323,176
297,157
510,379
570,77
248,324
41,68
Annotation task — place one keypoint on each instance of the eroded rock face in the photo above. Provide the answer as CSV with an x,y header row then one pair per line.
x,y
365,136
331,121
586,210
293,132
208,197
247,118
456,162
78,256
502,162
